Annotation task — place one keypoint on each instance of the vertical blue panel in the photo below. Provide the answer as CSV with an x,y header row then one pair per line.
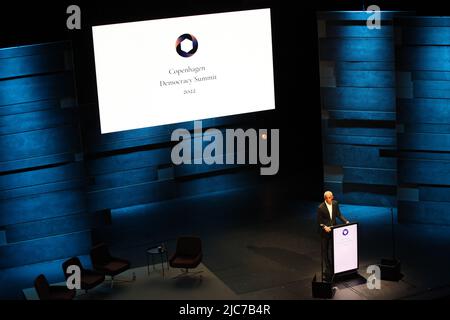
x,y
43,215
424,118
359,111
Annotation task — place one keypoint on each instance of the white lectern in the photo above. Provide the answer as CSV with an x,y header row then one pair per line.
x,y
345,248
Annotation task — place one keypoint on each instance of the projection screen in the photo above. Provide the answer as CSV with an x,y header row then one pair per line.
x,y
173,70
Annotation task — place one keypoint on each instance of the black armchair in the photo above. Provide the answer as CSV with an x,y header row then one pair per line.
x,y
188,253
89,278
103,262
48,292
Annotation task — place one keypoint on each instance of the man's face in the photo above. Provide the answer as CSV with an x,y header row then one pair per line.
x,y
329,198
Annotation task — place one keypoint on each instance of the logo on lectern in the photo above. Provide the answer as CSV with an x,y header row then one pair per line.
x,y
345,232
186,45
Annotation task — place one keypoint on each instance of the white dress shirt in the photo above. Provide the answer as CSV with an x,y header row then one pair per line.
x,y
330,209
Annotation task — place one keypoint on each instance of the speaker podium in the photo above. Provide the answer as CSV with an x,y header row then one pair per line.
x,y
345,260
345,249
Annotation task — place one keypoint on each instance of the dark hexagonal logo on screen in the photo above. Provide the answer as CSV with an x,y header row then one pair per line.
x,y
186,45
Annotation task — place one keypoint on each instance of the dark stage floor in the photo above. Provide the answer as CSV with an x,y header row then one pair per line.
x,y
263,244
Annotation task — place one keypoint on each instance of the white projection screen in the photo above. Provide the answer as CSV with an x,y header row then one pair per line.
x,y
173,70
345,248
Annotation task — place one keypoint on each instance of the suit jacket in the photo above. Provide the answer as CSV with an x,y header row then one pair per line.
x,y
323,216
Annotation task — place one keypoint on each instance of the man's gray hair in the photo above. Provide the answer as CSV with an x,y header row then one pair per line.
x,y
326,193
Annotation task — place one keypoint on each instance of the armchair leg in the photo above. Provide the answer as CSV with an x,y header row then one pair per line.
x,y
186,273
133,278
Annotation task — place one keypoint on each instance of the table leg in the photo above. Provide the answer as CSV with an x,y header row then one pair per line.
x,y
153,263
162,262
148,266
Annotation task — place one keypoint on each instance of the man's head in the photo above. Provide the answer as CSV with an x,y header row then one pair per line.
x,y
328,197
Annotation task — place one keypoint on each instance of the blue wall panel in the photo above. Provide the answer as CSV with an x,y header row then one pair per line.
x,y
363,132
352,98
42,206
412,171
361,49
43,210
363,101
35,49
424,58
370,176
218,183
39,143
34,120
43,188
125,177
190,170
426,128
365,79
361,140
35,88
424,212
342,31
30,163
30,107
340,17
53,226
426,36
159,134
71,171
420,111
45,249
436,194
136,177
122,162
349,155
358,95
369,198
424,139
431,75
33,64
129,195
388,66
361,115
423,155
431,89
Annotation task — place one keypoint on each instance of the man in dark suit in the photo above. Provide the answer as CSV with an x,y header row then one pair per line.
x,y
327,213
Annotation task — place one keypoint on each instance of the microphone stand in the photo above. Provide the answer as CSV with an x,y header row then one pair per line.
x,y
321,253
391,268
393,235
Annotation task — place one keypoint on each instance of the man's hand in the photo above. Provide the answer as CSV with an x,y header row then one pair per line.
x,y
327,229
347,222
